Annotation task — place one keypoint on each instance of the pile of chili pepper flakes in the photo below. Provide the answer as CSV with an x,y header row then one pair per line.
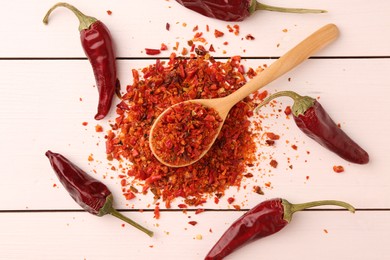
x,y
166,83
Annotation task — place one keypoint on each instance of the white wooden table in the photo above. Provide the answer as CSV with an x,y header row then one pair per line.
x,y
44,73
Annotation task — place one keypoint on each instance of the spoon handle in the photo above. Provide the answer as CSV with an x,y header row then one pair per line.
x,y
313,43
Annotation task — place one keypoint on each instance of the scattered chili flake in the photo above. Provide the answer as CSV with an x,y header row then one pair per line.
x,y
248,175
294,147
285,30
236,207
230,200
287,110
167,26
109,12
218,33
157,212
270,142
307,178
54,185
267,184
163,47
192,223
182,206
258,190
326,231
249,37
216,200
211,48
98,128
226,43
152,51
161,85
195,28
90,157
85,123
198,211
338,168
273,163
272,136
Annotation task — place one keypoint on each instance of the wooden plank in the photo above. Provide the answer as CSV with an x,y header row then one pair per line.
x,y
364,29
47,112
323,234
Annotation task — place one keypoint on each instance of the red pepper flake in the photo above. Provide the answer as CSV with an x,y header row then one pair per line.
x,y
90,158
270,142
195,28
216,200
198,211
258,190
287,110
326,231
338,168
163,47
129,195
182,206
249,37
211,48
98,128
152,51
273,163
222,167
294,147
167,26
85,123
236,207
218,33
230,200
157,212
267,184
193,223
109,12
54,185
226,43
307,178
272,136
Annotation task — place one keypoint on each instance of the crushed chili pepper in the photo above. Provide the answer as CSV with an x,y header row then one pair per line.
x,y
162,85
184,132
149,51
338,168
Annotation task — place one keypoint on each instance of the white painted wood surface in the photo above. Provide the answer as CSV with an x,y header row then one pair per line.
x,y
44,75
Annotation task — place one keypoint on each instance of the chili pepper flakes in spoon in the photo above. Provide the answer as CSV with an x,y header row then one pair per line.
x,y
91,194
315,122
236,10
266,218
98,47
287,62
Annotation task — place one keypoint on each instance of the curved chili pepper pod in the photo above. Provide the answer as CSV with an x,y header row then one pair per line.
x,y
97,45
91,194
266,218
236,10
313,120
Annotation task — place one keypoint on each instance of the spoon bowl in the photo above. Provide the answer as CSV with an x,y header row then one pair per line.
x,y
302,51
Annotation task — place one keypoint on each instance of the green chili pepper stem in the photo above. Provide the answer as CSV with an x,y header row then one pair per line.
x,y
290,209
301,103
260,6
109,209
85,21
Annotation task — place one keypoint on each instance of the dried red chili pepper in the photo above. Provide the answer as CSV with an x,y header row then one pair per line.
x,y
313,120
266,218
98,47
236,10
91,194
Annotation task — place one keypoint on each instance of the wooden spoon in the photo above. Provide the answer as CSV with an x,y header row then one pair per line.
x,y
285,63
